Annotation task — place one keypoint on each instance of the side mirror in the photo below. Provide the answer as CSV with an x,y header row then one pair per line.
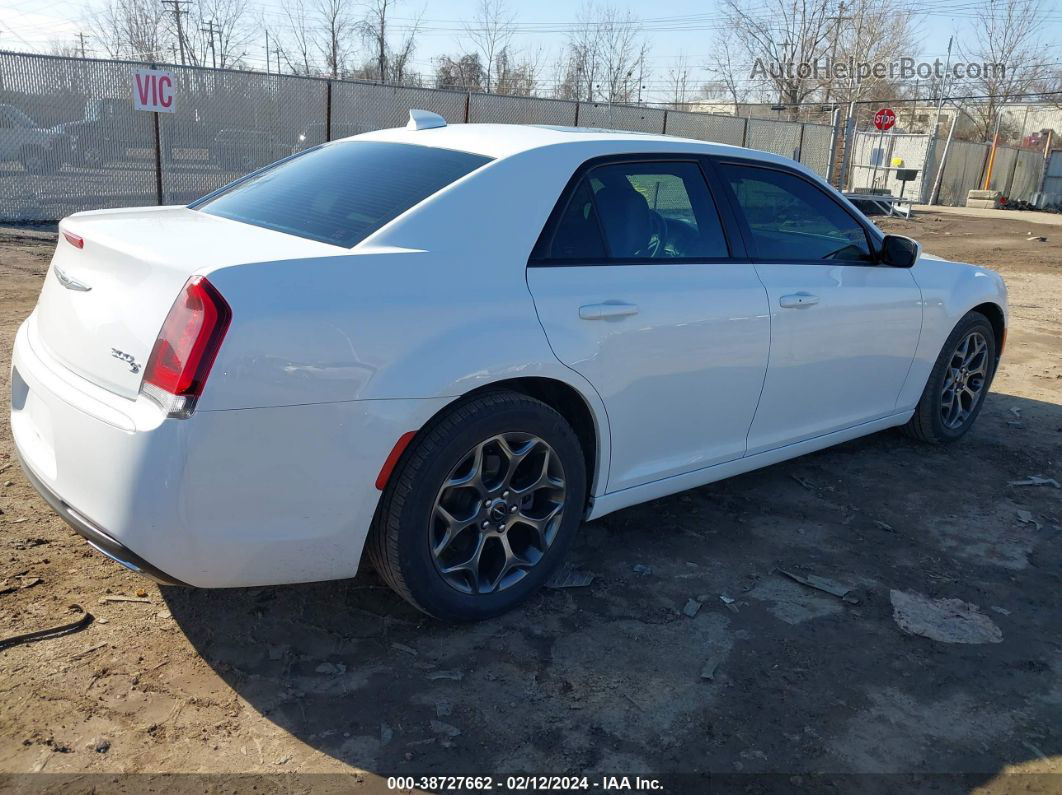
x,y
899,251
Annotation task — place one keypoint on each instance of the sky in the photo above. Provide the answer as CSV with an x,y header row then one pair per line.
x,y
674,28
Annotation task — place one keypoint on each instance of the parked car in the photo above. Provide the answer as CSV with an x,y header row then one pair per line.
x,y
112,130
22,139
447,347
243,151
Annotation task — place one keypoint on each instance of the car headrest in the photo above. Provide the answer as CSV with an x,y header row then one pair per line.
x,y
625,215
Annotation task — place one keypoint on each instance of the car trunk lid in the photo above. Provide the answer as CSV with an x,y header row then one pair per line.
x,y
103,304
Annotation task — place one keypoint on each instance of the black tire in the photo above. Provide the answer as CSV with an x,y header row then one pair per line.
x,y
399,543
928,423
39,160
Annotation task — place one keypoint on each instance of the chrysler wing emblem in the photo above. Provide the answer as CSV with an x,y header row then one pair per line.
x,y
127,358
68,282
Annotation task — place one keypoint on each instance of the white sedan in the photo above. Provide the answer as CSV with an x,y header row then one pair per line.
x,y
446,347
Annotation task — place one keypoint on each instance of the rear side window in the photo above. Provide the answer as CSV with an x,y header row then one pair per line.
x,y
640,211
579,231
791,219
657,211
341,193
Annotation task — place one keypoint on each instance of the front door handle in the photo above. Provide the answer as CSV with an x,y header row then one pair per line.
x,y
600,311
798,300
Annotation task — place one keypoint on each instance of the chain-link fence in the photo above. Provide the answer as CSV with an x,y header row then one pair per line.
x,y
952,168
71,140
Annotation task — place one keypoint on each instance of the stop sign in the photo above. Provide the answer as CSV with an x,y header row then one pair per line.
x,y
884,119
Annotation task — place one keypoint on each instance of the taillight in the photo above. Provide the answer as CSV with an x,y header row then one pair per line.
x,y
186,347
77,241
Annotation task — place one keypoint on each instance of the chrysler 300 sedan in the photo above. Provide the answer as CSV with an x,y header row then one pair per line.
x,y
441,348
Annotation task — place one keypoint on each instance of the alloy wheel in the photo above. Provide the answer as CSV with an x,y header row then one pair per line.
x,y
497,513
964,380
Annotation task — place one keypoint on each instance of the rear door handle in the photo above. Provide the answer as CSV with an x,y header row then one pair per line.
x,y
798,300
600,311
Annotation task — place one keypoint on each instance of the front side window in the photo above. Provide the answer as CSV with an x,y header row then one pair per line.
x,y
341,193
791,219
640,211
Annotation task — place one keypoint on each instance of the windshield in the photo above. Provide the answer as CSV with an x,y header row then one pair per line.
x,y
342,192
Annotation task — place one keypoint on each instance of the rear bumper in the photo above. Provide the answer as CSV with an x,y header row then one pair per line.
x,y
96,537
228,498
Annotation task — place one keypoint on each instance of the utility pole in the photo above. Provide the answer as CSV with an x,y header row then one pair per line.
x,y
931,147
213,53
267,51
82,37
177,11
276,49
833,46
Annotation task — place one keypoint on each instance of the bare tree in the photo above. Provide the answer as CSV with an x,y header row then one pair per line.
x,y
605,56
334,25
220,32
1014,59
678,83
578,68
871,32
516,75
388,64
131,28
491,32
465,72
730,81
782,37
298,49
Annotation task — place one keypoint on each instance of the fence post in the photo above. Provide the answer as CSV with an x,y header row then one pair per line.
x,y
468,103
328,110
664,131
935,193
745,133
800,144
832,165
577,104
158,159
846,154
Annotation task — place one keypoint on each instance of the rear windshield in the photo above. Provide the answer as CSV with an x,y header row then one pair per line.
x,y
341,193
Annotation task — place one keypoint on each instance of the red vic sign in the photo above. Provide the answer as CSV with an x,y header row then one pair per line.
x,y
153,90
884,119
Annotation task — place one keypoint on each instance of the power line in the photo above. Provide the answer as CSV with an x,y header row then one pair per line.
x,y
177,11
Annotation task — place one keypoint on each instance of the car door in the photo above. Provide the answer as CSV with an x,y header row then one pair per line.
x,y
844,327
637,290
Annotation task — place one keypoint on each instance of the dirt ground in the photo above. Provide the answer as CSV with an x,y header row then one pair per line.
x,y
768,676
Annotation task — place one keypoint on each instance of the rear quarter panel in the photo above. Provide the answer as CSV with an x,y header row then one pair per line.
x,y
435,304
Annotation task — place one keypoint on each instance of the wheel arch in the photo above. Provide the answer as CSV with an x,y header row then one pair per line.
x,y
994,313
588,423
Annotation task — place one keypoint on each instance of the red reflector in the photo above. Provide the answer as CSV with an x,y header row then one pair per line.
x,y
77,241
189,341
392,459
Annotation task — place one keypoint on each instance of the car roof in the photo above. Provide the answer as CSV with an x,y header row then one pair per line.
x,y
505,140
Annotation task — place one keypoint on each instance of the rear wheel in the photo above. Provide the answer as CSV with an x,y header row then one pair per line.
x,y
39,160
958,384
481,508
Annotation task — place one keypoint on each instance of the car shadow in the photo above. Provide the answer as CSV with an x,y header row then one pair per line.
x,y
766,675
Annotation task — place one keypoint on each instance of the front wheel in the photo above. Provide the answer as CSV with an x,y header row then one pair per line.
x,y
481,508
958,384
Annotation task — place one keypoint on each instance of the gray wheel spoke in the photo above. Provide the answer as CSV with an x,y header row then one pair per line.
x,y
496,513
965,380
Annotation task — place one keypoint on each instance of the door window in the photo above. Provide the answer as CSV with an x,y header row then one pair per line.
x,y
640,211
791,219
